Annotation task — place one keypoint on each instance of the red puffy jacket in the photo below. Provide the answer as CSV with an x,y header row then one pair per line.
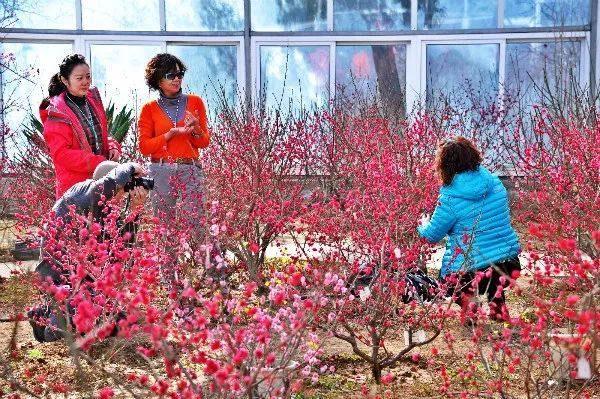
x,y
71,153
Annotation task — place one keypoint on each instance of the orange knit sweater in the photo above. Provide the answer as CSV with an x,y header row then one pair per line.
x,y
154,124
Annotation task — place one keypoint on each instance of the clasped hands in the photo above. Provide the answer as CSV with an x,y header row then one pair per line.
x,y
192,122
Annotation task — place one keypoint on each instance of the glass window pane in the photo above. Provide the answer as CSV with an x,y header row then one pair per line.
x,y
289,15
39,14
139,15
294,77
372,72
204,15
35,63
371,15
536,70
457,14
118,72
532,13
211,73
454,70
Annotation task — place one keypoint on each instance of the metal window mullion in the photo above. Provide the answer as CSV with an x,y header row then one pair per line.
x,y
240,69
413,74
87,46
501,73
78,15
330,15
501,5
255,65
413,14
366,35
464,38
594,47
79,46
332,61
248,53
3,152
162,15
585,61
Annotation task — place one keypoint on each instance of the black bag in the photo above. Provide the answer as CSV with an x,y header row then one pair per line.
x,y
419,286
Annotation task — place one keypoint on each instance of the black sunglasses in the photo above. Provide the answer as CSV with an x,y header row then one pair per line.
x,y
173,75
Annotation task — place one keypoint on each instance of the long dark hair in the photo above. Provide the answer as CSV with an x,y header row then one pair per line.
x,y
56,86
456,155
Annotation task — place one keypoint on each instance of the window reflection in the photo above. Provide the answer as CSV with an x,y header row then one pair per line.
x,y
39,14
371,15
118,71
294,77
532,13
211,73
372,72
134,15
457,71
289,15
536,72
35,63
457,14
204,15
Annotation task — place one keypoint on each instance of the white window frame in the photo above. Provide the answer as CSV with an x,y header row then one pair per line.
x,y
420,42
163,41
331,41
584,53
258,42
423,61
391,42
415,56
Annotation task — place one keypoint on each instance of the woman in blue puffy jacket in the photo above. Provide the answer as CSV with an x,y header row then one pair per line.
x,y
472,212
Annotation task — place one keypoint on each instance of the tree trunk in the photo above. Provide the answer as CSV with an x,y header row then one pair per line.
x,y
376,371
430,8
388,79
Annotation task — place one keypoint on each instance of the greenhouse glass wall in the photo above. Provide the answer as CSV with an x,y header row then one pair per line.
x,y
306,51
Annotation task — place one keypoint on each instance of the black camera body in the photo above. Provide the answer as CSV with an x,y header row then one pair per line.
x,y
146,182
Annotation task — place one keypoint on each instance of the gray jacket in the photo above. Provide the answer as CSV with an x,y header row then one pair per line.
x,y
85,196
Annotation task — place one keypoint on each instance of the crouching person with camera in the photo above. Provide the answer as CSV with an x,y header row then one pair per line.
x,y
76,244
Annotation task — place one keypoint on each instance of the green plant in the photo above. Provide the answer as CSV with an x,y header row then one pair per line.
x,y
33,130
118,126
35,354
119,123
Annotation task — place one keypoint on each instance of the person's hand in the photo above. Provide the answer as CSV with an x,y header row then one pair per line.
x,y
178,131
138,196
114,155
192,120
425,218
138,169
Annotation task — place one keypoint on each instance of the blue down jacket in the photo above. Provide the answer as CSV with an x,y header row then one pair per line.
x,y
473,212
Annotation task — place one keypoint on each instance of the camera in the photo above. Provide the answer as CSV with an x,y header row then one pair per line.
x,y
146,182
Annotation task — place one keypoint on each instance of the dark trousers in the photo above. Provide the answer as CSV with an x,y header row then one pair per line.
x,y
464,285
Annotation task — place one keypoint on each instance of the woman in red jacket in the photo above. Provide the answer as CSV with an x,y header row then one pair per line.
x,y
75,126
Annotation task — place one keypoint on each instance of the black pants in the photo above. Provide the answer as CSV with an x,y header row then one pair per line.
x,y
463,283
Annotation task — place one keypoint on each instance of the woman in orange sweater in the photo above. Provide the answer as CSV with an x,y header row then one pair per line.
x,y
172,129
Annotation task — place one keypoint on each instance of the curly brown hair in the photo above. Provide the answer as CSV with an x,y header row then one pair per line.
x,y
159,65
456,155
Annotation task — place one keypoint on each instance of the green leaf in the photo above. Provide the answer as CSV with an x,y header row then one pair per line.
x,y
119,123
35,354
